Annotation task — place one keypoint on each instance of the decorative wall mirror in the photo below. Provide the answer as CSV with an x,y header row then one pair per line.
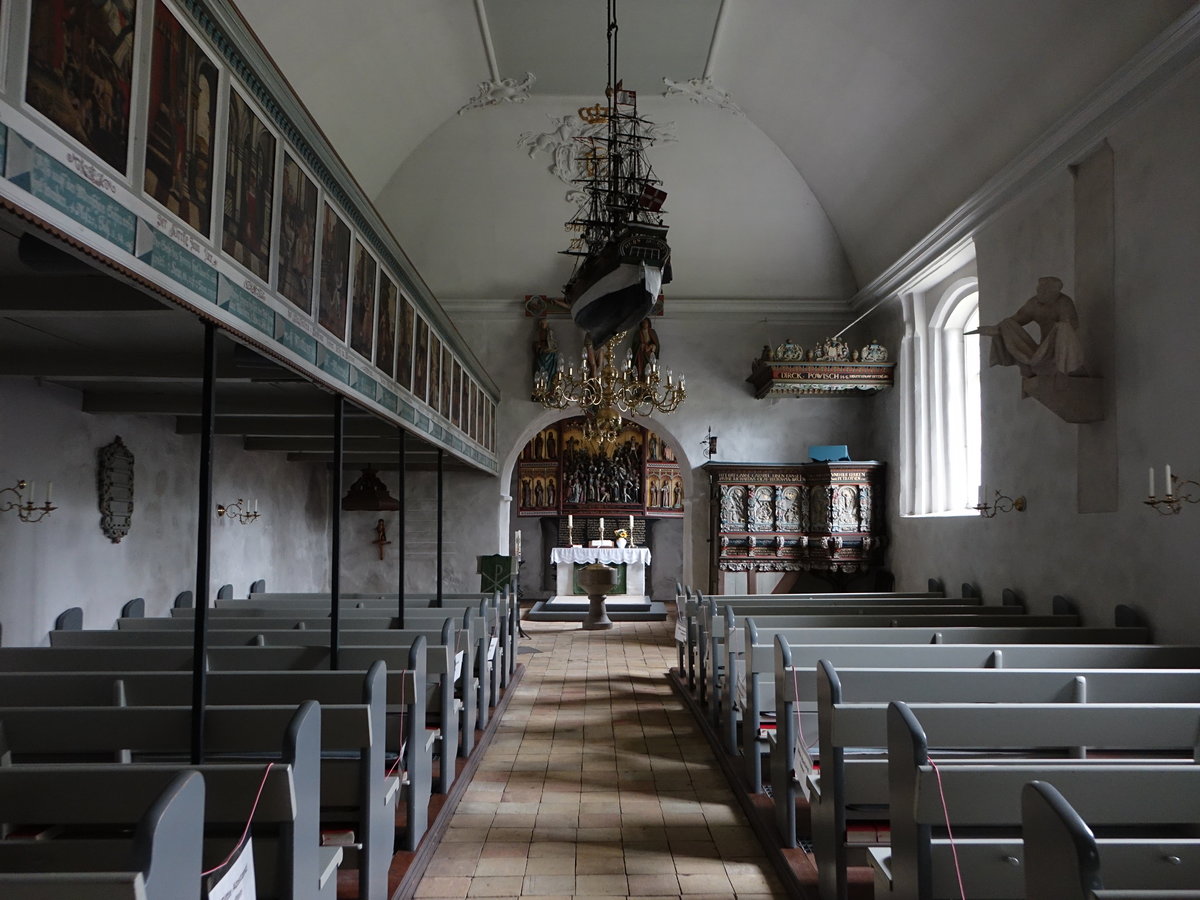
x,y
114,482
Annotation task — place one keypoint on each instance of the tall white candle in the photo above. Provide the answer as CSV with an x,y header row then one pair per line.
x,y
1170,487
256,504
571,520
602,527
49,490
1151,494
982,494
631,526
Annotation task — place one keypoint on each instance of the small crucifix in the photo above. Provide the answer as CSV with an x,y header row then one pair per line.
x,y
381,538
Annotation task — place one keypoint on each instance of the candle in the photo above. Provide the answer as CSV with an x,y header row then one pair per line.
x,y
571,519
32,490
631,526
256,504
1170,485
1151,494
982,494
49,490
602,527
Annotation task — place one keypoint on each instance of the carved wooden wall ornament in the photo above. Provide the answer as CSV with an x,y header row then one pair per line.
x,y
801,517
114,483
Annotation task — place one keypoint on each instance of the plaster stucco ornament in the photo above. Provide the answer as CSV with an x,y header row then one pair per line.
x,y
1052,368
564,145
702,90
506,90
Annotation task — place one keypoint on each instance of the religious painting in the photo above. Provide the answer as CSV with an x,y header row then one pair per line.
x,y
469,413
81,70
480,413
249,186
385,328
460,406
182,121
435,372
456,396
297,235
421,358
404,345
335,273
447,382
362,310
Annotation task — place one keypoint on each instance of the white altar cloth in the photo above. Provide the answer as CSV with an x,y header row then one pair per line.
x,y
606,555
635,560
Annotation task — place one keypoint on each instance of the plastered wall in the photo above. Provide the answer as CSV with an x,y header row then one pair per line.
x,y
1131,554
66,560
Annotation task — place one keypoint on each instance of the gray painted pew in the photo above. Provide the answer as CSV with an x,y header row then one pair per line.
x,y
289,859
713,624
155,862
391,646
796,683
985,796
355,790
471,641
1065,861
746,697
852,728
507,612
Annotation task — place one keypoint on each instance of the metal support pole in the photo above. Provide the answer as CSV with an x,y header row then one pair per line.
x,y
440,456
203,544
335,532
400,525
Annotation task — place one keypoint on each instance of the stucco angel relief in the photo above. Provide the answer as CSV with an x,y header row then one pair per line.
x,y
506,90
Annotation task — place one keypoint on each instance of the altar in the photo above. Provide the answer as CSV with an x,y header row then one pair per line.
x,y
570,602
631,565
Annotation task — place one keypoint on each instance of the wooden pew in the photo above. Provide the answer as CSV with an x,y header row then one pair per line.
x,y
153,863
689,603
469,642
507,612
1064,860
713,627
289,859
852,726
439,665
985,796
796,683
746,697
355,790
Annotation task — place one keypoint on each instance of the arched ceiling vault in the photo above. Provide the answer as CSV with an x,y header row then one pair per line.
x,y
862,123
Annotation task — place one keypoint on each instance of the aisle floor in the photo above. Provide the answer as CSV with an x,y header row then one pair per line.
x,y
599,783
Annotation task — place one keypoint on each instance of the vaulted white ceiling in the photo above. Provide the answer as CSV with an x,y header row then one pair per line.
x,y
865,122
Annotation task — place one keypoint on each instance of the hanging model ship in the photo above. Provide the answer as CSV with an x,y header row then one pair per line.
x,y
620,238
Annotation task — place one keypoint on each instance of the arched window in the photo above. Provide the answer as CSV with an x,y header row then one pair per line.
x,y
941,451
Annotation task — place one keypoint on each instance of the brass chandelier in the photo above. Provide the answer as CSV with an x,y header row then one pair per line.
x,y
607,393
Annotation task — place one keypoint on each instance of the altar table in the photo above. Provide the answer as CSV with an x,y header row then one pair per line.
x,y
634,559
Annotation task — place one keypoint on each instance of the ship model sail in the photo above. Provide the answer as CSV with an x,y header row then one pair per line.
x,y
619,235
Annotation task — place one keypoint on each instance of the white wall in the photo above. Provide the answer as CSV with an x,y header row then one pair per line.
x,y
1132,555
66,560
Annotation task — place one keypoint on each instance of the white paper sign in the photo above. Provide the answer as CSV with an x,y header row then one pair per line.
x,y
238,881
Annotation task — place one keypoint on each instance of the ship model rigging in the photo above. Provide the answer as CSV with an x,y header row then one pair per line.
x,y
619,236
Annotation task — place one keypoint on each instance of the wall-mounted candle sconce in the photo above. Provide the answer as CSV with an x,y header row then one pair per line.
x,y
239,510
1178,490
709,443
27,510
1000,503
